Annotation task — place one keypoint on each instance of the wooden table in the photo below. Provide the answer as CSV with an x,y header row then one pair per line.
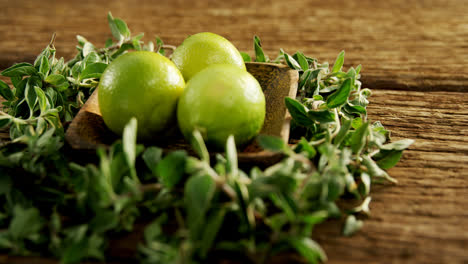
x,y
414,58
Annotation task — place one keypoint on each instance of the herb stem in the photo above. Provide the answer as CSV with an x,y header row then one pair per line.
x,y
220,182
338,124
375,152
169,47
334,133
20,121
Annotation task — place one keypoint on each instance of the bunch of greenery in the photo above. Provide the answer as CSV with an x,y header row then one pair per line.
x,y
52,206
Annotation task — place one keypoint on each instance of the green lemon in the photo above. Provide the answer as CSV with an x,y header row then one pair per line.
x,y
203,49
140,84
219,101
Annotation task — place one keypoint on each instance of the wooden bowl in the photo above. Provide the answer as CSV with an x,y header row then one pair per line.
x,y
87,131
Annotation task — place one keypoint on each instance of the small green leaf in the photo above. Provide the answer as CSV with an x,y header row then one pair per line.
x,y
159,46
246,57
43,104
58,81
129,141
379,134
103,221
5,91
44,66
340,97
363,207
314,218
351,73
92,57
6,183
79,249
198,194
214,224
327,88
359,138
5,241
88,48
4,122
151,157
45,53
374,170
25,222
259,55
122,27
114,28
309,249
345,126
305,78
108,43
365,183
321,116
76,70
356,123
150,47
81,40
277,221
398,145
302,60
19,70
93,70
171,168
272,143
154,229
242,194
339,62
317,97
16,80
136,44
304,147
352,225
335,184
58,67
387,159
138,37
277,183
358,69
298,112
292,63
122,49
355,109
231,156
31,97
198,144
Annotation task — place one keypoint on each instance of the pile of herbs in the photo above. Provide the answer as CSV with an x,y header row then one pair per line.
x,y
54,207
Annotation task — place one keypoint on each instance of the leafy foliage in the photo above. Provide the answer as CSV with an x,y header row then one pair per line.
x,y
198,205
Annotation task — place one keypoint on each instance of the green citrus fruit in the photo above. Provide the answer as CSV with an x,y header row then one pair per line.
x,y
219,101
140,84
203,49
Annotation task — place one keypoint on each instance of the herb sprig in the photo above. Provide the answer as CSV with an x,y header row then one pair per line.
x,y
52,206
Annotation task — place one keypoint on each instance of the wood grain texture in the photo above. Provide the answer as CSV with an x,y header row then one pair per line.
x,y
414,59
419,45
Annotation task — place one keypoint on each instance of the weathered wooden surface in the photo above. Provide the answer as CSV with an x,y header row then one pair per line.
x,y
401,44
414,58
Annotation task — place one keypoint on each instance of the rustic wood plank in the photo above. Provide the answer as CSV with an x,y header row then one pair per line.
x,y
414,59
419,45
